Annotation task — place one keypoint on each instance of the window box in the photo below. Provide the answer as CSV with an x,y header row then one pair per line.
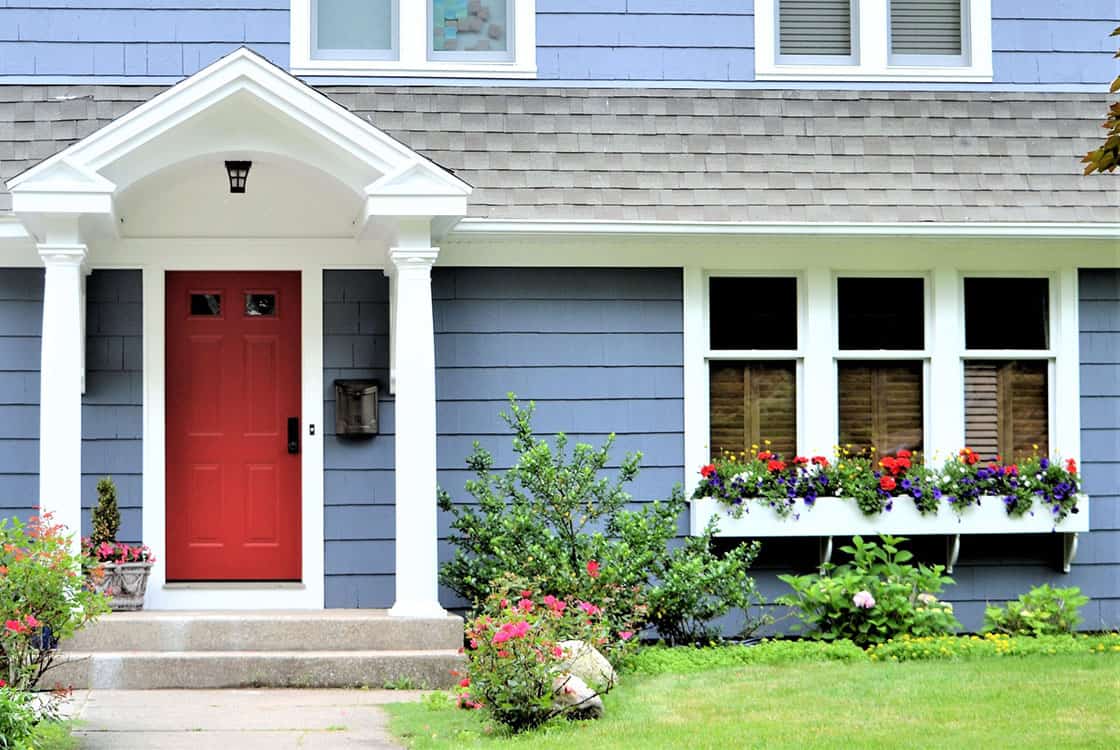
x,y
827,517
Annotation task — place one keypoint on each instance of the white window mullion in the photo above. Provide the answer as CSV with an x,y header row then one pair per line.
x,y
871,42
413,33
945,425
820,411
696,418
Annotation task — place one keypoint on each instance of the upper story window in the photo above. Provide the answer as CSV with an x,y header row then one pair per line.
x,y
432,38
940,40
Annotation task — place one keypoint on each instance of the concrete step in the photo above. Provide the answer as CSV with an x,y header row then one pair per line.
x,y
156,670
227,631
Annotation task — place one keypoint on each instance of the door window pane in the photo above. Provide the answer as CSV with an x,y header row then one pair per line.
x,y
753,313
349,25
471,26
260,305
882,313
206,305
751,402
1007,313
881,406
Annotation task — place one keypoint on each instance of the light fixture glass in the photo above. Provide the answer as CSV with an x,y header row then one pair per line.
x,y
238,174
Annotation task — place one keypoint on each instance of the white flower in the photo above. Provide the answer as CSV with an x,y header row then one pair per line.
x,y
863,600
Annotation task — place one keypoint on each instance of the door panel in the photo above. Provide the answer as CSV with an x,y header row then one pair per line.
x,y
232,383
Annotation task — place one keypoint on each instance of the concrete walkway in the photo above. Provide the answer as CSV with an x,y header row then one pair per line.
x,y
234,719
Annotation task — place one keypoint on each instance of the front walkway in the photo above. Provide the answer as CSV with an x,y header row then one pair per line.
x,y
241,719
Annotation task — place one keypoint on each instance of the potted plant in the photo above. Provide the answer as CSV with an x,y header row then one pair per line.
x,y
123,569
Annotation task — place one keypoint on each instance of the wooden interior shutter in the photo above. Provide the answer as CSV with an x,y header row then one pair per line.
x,y
1007,408
750,402
925,27
881,405
815,27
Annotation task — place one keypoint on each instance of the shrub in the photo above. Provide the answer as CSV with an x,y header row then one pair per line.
x,y
952,648
1041,611
17,718
555,512
43,597
514,656
106,516
875,597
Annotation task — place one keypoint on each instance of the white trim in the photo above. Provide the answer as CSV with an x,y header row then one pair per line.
x,y
414,60
1103,230
871,49
265,596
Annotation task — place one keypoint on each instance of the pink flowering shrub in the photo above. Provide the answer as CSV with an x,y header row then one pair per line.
x,y
43,597
117,552
514,655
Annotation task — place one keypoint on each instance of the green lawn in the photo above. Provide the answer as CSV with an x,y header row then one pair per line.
x,y
1045,702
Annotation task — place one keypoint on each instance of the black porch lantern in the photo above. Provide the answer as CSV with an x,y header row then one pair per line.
x,y
238,173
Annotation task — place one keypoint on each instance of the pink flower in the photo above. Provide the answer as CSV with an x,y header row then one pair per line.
x,y
15,626
500,637
592,568
863,600
525,605
558,652
31,621
626,635
589,608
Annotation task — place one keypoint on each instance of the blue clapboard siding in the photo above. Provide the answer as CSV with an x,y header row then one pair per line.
x,y
358,482
597,350
112,432
1034,41
21,326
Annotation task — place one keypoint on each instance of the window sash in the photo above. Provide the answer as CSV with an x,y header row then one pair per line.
x,y
811,31
927,32
458,55
357,53
1007,407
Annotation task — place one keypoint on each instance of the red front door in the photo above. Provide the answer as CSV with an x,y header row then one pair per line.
x,y
233,384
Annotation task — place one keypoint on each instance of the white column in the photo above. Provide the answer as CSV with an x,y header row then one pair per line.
x,y
1065,406
60,397
417,593
819,415
945,404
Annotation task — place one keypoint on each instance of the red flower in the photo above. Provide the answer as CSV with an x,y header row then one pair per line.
x,y
465,682
889,463
902,463
15,626
969,456
1012,469
592,568
3,684
526,594
903,453
1071,466
800,460
887,483
820,460
765,455
775,465
708,470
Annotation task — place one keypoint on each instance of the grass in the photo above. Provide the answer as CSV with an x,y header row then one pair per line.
x,y
1044,702
54,735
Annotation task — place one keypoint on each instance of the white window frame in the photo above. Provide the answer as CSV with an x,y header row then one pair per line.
x,y
797,356
872,59
414,55
355,54
1048,355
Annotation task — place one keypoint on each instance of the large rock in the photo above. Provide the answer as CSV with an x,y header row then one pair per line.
x,y
584,661
573,694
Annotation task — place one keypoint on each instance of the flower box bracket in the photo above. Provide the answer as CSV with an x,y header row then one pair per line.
x,y
829,517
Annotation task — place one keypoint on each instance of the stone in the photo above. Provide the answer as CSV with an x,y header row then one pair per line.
x,y
584,661
574,695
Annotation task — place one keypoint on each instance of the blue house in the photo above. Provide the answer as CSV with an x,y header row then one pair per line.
x,y
274,266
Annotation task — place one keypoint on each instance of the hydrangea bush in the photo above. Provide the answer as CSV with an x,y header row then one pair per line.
x,y
763,478
875,597
1041,611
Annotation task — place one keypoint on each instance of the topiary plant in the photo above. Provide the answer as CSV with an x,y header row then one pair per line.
x,y
106,516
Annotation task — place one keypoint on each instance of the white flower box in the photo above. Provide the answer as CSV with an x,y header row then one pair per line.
x,y
833,516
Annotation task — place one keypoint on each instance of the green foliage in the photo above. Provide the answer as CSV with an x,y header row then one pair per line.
x,y
17,719
554,517
875,597
515,661
43,597
684,660
958,648
1041,611
1106,158
106,515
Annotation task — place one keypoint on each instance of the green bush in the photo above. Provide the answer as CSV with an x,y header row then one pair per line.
x,y
17,719
948,647
43,597
555,516
1041,611
106,516
874,598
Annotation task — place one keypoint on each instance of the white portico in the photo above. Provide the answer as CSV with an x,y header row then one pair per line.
x,y
326,190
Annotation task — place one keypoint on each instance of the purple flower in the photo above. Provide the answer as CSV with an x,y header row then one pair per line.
x,y
1044,464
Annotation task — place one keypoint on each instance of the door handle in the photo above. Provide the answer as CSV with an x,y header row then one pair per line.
x,y
293,434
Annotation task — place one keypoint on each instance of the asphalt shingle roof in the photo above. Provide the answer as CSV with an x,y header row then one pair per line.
x,y
695,155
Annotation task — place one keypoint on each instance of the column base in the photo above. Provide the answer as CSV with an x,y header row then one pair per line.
x,y
418,609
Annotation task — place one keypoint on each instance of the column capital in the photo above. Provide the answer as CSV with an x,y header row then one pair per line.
x,y
413,257
62,254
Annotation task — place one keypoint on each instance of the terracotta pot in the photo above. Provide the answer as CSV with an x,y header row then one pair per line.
x,y
124,584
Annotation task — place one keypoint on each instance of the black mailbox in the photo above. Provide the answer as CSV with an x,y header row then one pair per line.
x,y
355,404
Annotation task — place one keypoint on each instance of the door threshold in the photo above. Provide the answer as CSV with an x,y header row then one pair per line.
x,y
235,585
